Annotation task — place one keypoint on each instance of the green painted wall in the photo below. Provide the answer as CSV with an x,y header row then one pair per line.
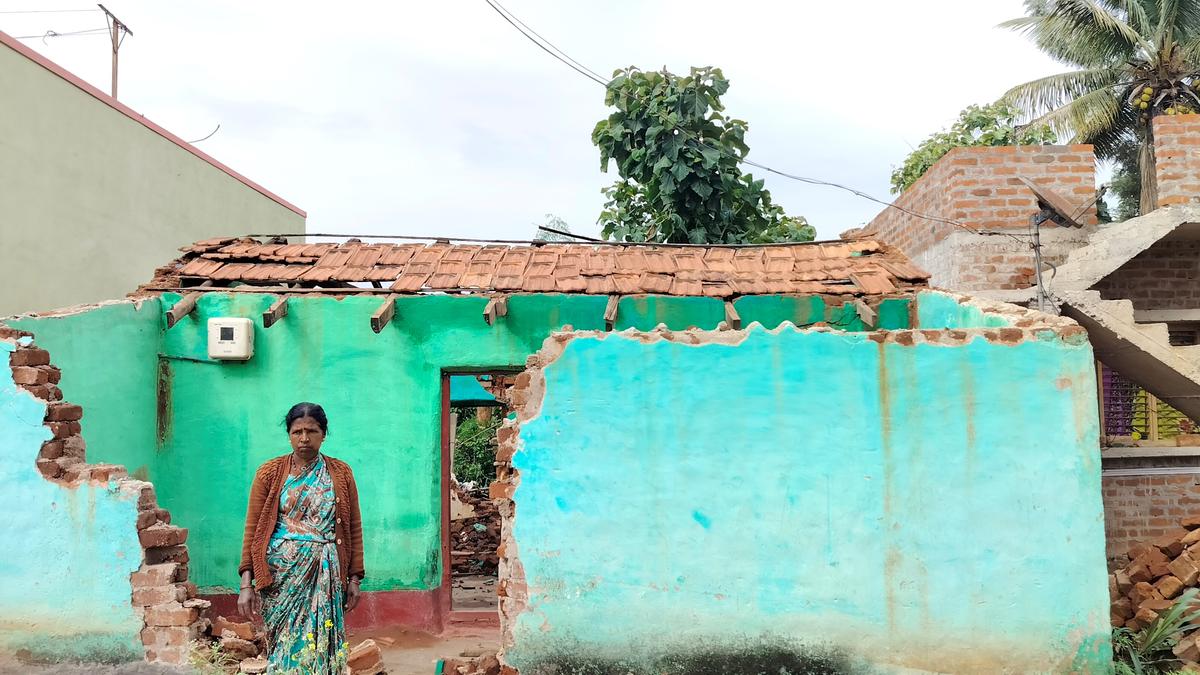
x,y
109,365
92,200
802,494
67,552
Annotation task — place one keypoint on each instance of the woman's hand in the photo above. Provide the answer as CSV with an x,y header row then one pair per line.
x,y
352,595
249,603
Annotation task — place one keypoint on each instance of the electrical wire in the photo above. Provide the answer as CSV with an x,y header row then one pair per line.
x,y
47,11
591,75
51,34
509,15
586,72
532,242
214,131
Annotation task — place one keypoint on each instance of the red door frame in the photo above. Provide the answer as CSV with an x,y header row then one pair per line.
x,y
445,601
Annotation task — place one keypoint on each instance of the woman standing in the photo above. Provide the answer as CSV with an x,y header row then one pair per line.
x,y
302,552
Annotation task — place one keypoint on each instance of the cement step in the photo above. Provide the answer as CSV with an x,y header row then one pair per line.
x,y
1155,331
1189,352
1121,310
1141,352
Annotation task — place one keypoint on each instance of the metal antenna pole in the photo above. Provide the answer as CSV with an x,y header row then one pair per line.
x,y
1035,226
118,27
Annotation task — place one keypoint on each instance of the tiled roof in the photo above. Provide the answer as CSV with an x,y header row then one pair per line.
x,y
862,267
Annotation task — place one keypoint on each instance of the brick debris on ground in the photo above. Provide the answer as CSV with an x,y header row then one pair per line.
x,y
1159,571
475,539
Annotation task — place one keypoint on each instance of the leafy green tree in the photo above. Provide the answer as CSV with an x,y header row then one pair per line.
x,y
1126,181
475,447
988,125
677,154
1132,60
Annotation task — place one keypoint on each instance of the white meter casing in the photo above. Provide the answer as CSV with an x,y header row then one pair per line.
x,y
230,339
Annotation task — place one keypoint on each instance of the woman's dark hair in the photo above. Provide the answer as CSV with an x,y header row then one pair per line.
x,y
307,410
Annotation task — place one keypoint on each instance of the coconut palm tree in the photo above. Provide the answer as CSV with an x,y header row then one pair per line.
x,y
1132,60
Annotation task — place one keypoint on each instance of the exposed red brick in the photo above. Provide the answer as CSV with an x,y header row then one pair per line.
x,y
146,498
64,429
63,412
29,375
52,449
147,518
159,536
239,629
74,447
49,468
155,575
29,356
177,554
46,392
170,614
158,595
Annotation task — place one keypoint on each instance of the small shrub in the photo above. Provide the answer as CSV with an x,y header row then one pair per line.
x,y
207,658
1148,651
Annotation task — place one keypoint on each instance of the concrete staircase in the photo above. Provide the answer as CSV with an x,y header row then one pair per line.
x,y
1111,246
1141,352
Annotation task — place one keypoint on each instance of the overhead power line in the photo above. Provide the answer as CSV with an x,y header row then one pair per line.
x,y
545,45
578,67
53,34
47,11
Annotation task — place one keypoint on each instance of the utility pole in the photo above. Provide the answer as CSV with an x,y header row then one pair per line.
x,y
119,30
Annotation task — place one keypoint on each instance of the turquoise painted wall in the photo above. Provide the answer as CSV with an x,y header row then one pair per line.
x,y
927,506
68,553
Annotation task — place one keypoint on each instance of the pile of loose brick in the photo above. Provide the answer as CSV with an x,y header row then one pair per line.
x,y
243,646
474,539
161,594
1159,572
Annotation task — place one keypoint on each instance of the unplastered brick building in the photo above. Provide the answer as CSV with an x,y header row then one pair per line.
x,y
740,454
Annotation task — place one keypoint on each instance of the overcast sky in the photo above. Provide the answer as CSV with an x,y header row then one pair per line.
x,y
440,118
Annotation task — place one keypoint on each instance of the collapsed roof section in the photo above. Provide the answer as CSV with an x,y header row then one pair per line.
x,y
863,268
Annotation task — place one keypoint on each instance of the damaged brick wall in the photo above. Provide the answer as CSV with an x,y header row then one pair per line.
x,y
1164,276
1177,158
159,591
756,518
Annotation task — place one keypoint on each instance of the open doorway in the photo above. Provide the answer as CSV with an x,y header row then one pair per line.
x,y
477,408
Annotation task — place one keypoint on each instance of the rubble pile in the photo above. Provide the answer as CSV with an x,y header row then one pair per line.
x,y
244,647
1159,571
474,539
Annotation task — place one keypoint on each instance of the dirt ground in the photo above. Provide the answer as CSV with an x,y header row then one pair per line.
x,y
404,653
414,653
10,666
474,592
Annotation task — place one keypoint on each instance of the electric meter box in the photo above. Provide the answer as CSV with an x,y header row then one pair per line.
x,y
230,339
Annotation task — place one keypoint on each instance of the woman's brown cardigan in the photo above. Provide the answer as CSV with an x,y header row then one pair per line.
x,y
264,511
